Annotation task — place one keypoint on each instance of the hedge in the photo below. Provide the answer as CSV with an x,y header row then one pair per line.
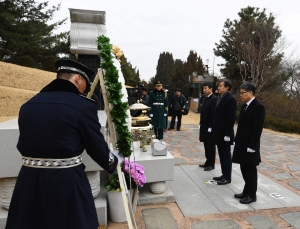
x,y
282,125
279,124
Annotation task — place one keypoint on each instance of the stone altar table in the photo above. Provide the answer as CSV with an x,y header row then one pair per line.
x,y
158,169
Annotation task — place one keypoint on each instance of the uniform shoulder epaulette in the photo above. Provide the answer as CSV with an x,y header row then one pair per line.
x,y
87,98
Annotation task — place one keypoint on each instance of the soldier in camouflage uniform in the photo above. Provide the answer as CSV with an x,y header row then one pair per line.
x,y
159,109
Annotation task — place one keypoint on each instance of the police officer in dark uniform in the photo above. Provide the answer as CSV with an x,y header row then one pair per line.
x,y
158,102
56,125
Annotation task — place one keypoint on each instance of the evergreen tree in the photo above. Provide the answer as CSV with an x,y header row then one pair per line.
x,y
25,36
179,78
193,64
251,48
165,69
131,75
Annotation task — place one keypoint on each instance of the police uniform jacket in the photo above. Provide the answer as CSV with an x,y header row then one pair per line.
x,y
207,118
248,134
224,119
158,111
57,123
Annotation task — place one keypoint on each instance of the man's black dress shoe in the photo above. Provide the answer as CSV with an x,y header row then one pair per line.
x,y
208,168
223,181
240,196
178,129
170,128
203,166
218,178
247,200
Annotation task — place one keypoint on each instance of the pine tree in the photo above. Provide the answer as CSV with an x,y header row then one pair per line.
x,y
251,48
179,77
165,69
193,64
131,75
26,38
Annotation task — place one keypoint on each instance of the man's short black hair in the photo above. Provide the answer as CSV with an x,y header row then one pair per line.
x,y
144,89
227,83
208,84
247,86
65,75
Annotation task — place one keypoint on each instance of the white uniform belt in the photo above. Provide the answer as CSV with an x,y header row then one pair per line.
x,y
157,103
51,163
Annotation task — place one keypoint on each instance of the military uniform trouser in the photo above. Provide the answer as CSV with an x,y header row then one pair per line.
x,y
159,133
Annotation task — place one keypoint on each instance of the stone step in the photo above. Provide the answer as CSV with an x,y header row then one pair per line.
x,y
216,224
292,218
159,218
262,222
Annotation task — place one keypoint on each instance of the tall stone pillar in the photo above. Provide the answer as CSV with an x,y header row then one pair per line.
x,y
86,26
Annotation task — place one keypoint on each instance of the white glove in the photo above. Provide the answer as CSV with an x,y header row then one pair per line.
x,y
250,150
151,115
234,143
165,115
209,130
226,139
119,156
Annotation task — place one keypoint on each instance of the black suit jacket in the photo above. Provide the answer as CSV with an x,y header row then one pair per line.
x,y
224,120
207,118
248,134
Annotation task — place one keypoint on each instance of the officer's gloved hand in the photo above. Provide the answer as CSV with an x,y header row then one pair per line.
x,y
249,150
226,139
165,115
119,156
151,115
209,130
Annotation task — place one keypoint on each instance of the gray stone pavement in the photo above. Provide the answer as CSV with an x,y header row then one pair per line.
x,y
206,205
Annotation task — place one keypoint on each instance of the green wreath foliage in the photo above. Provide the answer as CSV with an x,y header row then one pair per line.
x,y
114,88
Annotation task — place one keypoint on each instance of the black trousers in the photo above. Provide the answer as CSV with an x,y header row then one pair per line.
x,y
250,177
225,160
210,153
175,114
166,122
159,133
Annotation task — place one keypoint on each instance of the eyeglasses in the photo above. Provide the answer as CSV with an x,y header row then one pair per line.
x,y
243,92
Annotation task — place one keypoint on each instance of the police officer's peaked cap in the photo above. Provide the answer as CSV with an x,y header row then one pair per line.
x,y
157,83
72,66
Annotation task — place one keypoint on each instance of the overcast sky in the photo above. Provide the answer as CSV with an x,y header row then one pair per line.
x,y
144,29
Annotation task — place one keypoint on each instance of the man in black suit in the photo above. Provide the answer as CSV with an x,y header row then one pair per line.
x,y
222,129
247,141
206,123
177,106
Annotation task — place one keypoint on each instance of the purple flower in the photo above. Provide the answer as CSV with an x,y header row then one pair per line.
x,y
136,171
